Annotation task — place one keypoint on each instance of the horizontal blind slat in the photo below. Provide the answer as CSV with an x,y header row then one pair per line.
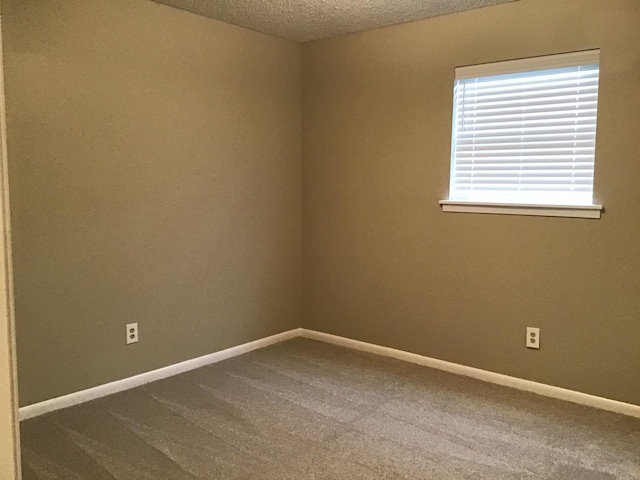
x,y
542,140
531,101
530,130
496,124
489,91
527,94
483,151
571,102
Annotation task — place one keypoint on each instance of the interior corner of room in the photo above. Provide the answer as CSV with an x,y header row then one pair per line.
x,y
217,186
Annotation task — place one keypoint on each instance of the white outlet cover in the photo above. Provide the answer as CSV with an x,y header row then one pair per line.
x,y
132,333
533,337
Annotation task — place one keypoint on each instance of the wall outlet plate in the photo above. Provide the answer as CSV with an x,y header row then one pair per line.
x,y
132,333
533,337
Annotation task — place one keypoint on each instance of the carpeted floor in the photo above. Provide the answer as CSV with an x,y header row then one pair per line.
x,y
306,410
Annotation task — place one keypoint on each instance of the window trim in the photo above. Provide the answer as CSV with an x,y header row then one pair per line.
x,y
538,210
593,211
522,65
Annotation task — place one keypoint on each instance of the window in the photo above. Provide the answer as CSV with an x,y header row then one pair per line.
x,y
524,137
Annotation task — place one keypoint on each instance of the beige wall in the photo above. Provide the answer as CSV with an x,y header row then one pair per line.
x,y
383,264
155,177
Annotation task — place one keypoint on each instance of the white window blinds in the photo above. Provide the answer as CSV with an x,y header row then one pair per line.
x,y
524,131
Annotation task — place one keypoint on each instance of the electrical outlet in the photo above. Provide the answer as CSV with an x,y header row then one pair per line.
x,y
132,333
533,337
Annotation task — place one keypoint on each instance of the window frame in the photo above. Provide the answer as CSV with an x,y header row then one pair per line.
x,y
532,64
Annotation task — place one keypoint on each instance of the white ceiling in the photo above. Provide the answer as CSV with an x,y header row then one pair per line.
x,y
304,20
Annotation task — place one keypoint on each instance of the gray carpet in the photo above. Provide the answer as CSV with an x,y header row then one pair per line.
x,y
307,410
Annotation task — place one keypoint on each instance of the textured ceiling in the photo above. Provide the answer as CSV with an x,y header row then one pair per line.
x,y
304,20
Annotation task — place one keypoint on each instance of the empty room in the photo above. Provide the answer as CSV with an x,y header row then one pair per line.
x,y
328,239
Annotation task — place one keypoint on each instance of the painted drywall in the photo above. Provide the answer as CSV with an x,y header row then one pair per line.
x,y
383,264
155,178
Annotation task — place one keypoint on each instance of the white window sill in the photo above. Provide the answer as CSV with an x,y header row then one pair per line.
x,y
575,211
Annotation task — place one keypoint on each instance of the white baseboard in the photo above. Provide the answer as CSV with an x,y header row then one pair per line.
x,y
484,375
82,396
76,398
